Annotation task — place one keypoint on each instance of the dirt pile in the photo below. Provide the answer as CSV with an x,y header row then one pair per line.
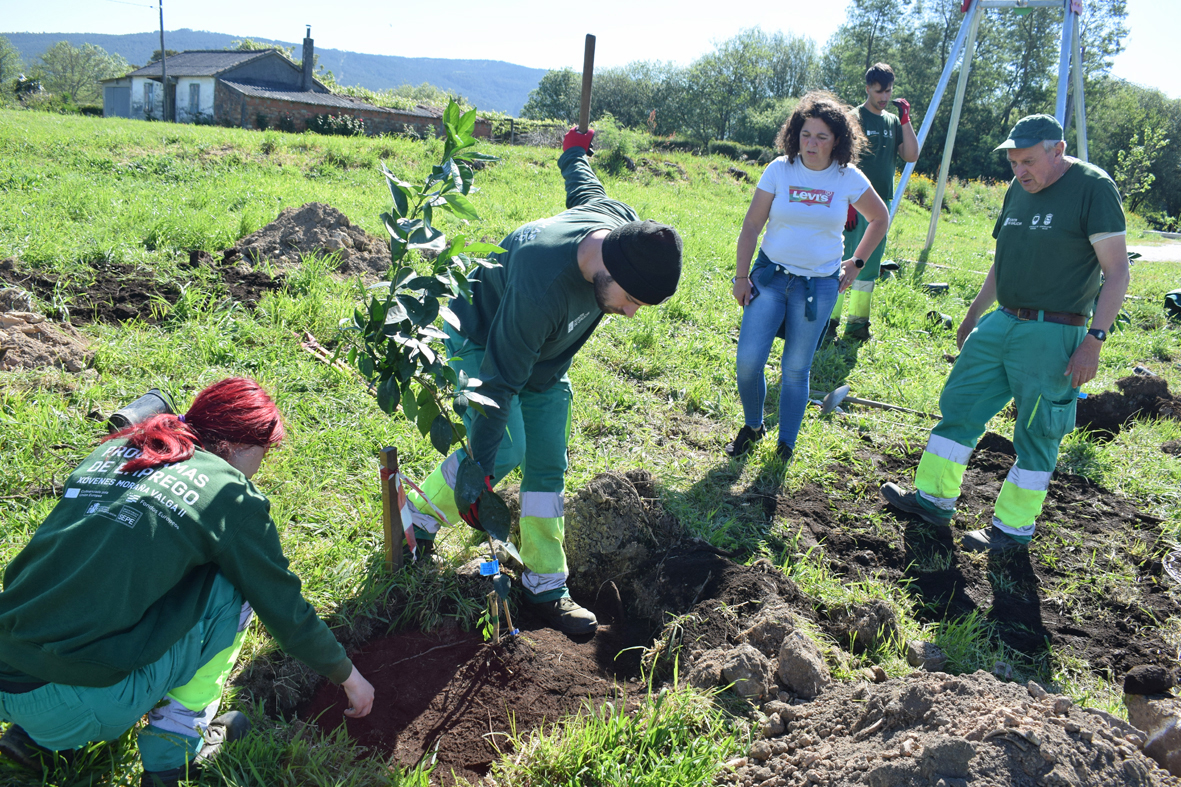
x,y
114,293
315,229
29,341
935,729
1138,397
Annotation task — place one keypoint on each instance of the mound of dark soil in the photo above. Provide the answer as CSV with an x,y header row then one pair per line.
x,y
315,229
1138,397
935,729
116,293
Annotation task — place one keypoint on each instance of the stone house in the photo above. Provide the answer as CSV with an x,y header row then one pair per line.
x,y
251,89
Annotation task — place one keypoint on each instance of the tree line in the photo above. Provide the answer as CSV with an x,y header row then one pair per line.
x,y
745,88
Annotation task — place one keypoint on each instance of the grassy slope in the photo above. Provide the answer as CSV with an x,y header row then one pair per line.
x,y
654,392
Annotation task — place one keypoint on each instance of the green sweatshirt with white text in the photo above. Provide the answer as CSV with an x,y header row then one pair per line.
x,y
122,568
535,311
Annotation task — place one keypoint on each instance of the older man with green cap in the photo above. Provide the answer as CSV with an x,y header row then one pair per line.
x,y
1059,237
526,320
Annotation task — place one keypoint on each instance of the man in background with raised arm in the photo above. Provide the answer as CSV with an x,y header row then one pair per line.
x,y
889,135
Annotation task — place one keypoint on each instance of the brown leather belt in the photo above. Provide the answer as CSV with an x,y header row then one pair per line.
x,y
1062,318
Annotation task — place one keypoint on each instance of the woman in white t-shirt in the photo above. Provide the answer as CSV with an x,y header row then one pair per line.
x,y
803,199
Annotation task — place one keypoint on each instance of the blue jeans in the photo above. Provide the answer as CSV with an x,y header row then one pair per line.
x,y
781,301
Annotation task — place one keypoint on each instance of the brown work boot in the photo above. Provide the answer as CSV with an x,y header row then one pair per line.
x,y
908,502
566,615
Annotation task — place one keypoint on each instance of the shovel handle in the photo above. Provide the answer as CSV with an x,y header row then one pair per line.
x,y
884,406
588,74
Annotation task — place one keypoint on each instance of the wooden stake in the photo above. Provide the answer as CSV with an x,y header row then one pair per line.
x,y
391,512
588,74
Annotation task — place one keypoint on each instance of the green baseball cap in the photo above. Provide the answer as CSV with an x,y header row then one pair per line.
x,y
1031,130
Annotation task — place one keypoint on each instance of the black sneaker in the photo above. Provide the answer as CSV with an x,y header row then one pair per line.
x,y
784,452
908,502
745,439
18,746
830,333
567,616
990,539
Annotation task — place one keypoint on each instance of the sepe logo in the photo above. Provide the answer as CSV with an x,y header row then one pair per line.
x,y
811,196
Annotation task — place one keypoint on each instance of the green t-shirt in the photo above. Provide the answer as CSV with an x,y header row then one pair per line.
x,y
884,133
535,311
1044,257
122,568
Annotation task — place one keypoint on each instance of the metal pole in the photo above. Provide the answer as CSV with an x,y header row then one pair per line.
x,y
163,67
1064,62
929,116
1080,106
956,107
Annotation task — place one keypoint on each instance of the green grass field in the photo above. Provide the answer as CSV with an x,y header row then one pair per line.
x,y
656,392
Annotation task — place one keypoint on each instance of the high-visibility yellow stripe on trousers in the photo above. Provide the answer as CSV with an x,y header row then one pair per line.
x,y
439,487
941,472
860,295
543,530
1020,501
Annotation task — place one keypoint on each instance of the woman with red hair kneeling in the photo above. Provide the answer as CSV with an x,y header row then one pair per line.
x,y
134,595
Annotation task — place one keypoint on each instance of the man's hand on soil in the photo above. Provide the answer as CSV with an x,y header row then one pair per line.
x,y
360,694
1085,362
577,139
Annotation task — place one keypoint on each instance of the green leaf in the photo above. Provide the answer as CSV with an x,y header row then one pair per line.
x,y
469,483
441,434
452,113
396,313
480,399
461,206
495,516
461,379
449,317
431,332
409,405
388,395
459,404
365,365
466,124
428,284
466,175
398,191
481,249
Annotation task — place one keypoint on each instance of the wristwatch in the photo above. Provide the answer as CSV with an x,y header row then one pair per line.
x,y
1098,333
858,263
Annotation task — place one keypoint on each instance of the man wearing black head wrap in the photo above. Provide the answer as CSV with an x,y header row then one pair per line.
x,y
527,318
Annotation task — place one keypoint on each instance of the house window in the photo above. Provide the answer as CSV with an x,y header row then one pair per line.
x,y
149,97
194,99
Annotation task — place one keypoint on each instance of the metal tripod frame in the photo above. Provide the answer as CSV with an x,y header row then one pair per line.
x,y
965,43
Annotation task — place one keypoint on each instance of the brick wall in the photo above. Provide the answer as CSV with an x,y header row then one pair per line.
x,y
233,108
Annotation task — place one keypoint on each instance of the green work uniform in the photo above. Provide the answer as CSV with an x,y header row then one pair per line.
x,y
137,588
884,134
519,335
1045,261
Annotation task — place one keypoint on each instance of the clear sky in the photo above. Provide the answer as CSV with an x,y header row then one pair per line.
x,y
536,33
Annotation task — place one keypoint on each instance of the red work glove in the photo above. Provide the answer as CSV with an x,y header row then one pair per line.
x,y
851,219
472,515
576,139
903,109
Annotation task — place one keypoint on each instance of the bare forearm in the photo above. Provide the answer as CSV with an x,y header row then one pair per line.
x,y
986,297
908,150
747,240
1111,298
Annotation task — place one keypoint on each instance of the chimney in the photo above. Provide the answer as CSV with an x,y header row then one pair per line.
x,y
308,57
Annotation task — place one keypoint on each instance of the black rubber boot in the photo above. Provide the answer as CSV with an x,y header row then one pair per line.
x,y
230,726
169,778
18,746
567,616
990,539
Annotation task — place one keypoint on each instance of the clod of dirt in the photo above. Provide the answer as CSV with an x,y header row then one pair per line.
x,y
931,728
607,535
1171,447
1148,679
29,341
862,627
315,229
244,284
1138,397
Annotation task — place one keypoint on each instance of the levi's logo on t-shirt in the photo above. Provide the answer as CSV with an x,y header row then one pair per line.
x,y
811,196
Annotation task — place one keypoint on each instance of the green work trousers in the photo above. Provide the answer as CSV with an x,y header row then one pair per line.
x,y
535,440
180,692
1004,359
861,291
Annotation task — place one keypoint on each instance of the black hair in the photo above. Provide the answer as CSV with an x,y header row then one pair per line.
x,y
880,74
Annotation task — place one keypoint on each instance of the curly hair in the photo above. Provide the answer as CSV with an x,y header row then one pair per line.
x,y
849,140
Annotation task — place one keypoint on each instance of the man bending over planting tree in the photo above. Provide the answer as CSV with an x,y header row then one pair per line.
x,y
527,318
